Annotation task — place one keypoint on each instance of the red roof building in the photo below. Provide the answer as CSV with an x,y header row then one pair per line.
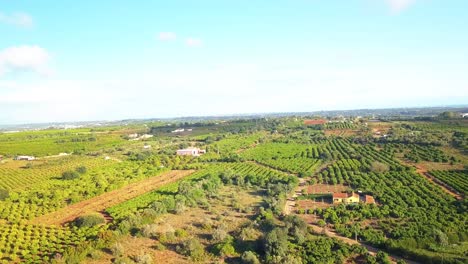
x,y
368,199
345,198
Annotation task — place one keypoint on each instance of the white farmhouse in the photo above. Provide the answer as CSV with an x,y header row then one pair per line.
x,y
191,152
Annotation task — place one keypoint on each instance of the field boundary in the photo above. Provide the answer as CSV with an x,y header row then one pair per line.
x,y
101,202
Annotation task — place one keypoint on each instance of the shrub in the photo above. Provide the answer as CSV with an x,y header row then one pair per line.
x,y
81,170
321,223
149,230
225,249
219,234
383,258
95,254
117,250
181,233
248,257
4,194
70,175
193,249
144,259
89,220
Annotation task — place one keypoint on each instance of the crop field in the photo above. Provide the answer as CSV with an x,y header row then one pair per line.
x,y
456,179
111,196
303,166
55,142
103,201
36,243
16,175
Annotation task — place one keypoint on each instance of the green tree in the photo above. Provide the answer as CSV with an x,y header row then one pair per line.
x,y
276,243
89,220
379,167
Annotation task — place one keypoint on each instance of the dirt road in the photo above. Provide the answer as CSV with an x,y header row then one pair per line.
x,y
291,201
106,200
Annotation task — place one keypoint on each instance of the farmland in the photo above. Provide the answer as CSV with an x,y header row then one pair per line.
x,y
117,200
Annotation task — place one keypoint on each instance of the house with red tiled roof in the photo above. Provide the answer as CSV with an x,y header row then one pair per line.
x,y
346,198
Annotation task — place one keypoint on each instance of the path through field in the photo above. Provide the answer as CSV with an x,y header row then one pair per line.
x,y
106,200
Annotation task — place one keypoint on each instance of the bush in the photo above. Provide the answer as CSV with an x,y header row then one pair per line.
x,y
226,250
181,233
321,223
89,220
70,175
117,250
193,249
144,259
149,230
95,254
248,257
4,194
81,170
219,234
383,258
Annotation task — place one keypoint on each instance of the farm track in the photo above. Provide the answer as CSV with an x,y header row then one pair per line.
x,y
99,203
448,189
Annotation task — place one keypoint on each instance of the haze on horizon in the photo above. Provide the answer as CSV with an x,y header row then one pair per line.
x,y
104,60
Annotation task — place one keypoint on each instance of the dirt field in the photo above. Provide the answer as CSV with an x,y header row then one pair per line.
x,y
325,188
341,132
440,166
101,202
309,204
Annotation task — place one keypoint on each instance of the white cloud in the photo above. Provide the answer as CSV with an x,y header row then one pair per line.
x,y
166,36
193,42
18,19
399,5
24,58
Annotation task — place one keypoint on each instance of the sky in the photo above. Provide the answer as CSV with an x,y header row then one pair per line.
x,y
105,60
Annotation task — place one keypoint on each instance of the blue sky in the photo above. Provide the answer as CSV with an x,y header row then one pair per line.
x,y
93,60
